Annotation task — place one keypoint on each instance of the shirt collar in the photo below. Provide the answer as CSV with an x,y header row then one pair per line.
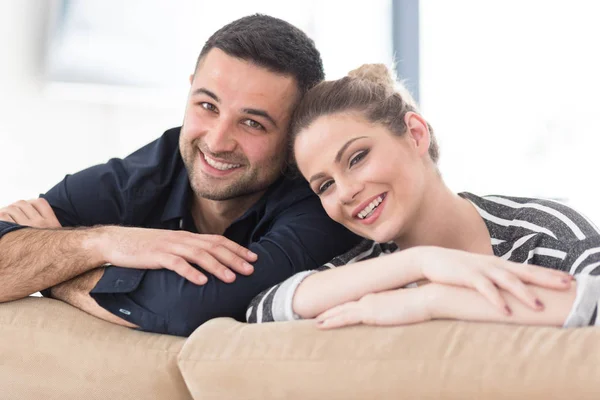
x,y
179,201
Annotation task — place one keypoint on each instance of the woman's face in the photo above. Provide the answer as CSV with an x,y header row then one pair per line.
x,y
367,178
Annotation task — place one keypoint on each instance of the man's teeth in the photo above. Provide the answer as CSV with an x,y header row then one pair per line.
x,y
219,165
368,210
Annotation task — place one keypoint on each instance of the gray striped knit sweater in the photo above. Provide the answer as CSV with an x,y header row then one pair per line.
x,y
523,230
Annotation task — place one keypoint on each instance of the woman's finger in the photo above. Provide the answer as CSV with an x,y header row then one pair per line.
x,y
512,284
539,276
485,286
343,315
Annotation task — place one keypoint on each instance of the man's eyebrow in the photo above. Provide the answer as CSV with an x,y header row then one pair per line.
x,y
339,154
260,113
206,92
338,157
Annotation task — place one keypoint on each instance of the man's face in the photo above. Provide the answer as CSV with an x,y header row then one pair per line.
x,y
235,129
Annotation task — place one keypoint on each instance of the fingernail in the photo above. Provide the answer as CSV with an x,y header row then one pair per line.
x,y
229,275
251,254
248,267
539,304
507,310
202,279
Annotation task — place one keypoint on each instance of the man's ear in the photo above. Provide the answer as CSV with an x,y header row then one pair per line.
x,y
191,79
418,131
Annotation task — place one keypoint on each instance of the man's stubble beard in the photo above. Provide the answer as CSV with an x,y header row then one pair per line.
x,y
245,185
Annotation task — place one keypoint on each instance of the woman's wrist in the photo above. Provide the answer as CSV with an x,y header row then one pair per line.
x,y
432,293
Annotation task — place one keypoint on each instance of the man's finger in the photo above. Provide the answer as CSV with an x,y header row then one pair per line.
x,y
27,209
17,215
241,251
184,269
43,208
6,217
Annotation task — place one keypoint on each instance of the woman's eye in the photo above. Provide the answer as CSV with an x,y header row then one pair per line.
x,y
357,158
324,186
208,106
253,124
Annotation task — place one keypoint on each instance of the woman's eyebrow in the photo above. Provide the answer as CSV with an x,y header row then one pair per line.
x,y
339,154
338,157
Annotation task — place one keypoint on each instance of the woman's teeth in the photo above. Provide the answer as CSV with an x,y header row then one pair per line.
x,y
368,210
219,165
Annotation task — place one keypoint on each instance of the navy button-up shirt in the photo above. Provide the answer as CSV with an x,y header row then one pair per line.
x,y
287,228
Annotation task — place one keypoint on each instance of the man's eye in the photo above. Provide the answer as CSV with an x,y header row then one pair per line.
x,y
324,186
208,106
253,124
357,158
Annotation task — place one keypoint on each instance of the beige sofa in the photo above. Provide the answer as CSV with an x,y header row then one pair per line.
x,y
51,351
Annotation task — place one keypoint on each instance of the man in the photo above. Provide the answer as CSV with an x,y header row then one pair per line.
x,y
152,241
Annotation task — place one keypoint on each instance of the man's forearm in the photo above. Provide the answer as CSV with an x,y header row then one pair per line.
x,y
452,302
35,259
76,292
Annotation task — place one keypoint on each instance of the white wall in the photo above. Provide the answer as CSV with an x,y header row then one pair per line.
x,y
48,130
43,135
511,87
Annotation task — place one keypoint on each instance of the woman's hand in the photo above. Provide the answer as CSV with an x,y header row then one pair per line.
x,y
393,307
487,275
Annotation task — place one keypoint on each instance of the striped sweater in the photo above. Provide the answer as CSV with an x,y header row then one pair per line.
x,y
524,230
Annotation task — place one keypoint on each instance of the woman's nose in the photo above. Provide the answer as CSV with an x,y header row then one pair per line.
x,y
348,191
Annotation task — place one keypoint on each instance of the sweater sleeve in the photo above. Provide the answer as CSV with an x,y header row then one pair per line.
x,y
275,303
585,308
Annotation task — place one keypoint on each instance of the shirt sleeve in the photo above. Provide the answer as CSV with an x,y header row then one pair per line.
x,y
275,303
6,227
301,237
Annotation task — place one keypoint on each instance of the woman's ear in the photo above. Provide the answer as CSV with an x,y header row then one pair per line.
x,y
417,131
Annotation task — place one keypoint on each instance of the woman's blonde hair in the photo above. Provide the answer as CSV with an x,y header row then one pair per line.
x,y
371,90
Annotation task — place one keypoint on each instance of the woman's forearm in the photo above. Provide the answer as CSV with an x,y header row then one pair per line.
x,y
453,302
327,289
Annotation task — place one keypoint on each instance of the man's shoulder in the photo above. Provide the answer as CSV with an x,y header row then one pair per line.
x,y
289,190
166,147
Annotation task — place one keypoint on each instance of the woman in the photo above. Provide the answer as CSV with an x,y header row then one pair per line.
x,y
371,158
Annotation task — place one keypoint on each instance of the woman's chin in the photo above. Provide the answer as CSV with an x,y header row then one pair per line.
x,y
379,237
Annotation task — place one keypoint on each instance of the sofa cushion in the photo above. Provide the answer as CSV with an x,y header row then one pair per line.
x,y
225,359
50,350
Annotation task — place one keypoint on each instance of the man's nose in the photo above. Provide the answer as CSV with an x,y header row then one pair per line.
x,y
220,137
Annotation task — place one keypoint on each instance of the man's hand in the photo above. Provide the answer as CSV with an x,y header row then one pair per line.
x,y
393,307
35,213
157,248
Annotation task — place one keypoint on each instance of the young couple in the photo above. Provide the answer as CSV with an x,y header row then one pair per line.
x,y
196,224
428,253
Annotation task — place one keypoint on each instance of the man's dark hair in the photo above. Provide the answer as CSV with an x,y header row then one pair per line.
x,y
270,43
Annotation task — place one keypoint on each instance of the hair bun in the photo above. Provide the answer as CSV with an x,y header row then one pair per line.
x,y
375,73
